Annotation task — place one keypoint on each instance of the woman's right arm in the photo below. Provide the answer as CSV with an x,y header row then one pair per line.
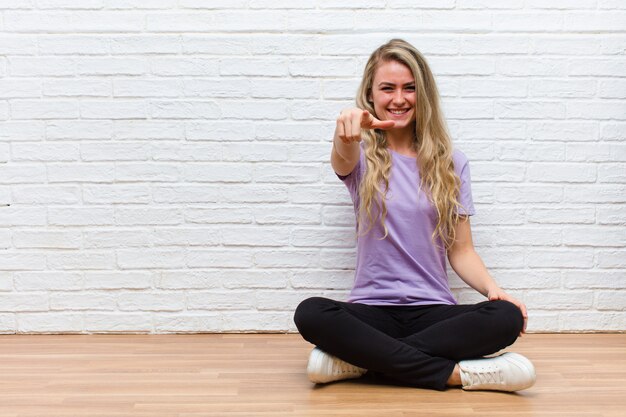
x,y
346,149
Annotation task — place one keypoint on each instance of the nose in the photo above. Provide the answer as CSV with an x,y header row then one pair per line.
x,y
398,97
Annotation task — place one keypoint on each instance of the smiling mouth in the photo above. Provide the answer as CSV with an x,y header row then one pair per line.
x,y
398,111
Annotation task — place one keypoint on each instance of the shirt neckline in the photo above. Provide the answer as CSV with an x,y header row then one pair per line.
x,y
413,158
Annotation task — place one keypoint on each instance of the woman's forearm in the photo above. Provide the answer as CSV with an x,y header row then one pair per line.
x,y
470,268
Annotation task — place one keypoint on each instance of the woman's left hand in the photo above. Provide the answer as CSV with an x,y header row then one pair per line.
x,y
499,294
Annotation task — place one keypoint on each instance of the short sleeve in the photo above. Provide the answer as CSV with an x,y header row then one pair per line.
x,y
462,168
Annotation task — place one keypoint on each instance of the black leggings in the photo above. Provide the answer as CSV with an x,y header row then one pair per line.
x,y
413,345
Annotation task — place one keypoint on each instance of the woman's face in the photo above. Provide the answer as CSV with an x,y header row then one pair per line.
x,y
393,93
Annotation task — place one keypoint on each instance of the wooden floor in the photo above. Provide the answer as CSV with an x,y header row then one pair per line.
x,y
264,375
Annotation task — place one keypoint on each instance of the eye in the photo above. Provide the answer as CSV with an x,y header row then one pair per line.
x,y
411,88
386,89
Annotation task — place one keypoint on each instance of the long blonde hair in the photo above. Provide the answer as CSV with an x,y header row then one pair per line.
x,y
431,142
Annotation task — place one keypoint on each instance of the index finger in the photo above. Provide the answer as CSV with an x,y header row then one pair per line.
x,y
370,122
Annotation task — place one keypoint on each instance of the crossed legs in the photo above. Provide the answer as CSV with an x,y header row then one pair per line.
x,y
414,345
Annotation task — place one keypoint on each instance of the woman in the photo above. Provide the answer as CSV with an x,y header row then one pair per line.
x,y
412,199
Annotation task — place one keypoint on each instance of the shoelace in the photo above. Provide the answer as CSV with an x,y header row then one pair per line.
x,y
485,376
341,367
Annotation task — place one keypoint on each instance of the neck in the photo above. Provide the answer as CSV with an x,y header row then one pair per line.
x,y
400,140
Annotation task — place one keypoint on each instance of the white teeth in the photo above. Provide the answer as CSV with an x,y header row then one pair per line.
x,y
398,111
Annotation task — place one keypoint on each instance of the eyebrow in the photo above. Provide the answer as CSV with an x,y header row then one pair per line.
x,y
388,83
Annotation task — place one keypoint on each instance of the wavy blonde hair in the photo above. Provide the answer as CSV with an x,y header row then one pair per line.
x,y
431,142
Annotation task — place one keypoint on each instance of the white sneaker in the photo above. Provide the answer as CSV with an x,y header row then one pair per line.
x,y
506,372
324,368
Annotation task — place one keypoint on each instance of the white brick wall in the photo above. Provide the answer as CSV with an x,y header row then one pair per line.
x,y
164,163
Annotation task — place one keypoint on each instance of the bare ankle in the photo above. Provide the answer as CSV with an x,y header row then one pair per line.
x,y
455,377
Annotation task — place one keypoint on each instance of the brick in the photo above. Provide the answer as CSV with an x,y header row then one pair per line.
x,y
513,151
559,258
597,236
612,258
562,88
111,194
44,109
147,216
218,215
529,109
286,258
235,130
611,214
184,109
48,152
563,131
56,322
287,214
218,87
16,131
117,323
492,171
213,172
92,172
113,109
594,22
480,4
78,129
561,172
46,195
22,216
146,44
147,88
276,67
561,215
165,301
95,152
550,67
80,260
595,67
41,66
115,280
220,258
560,45
281,173
146,172
600,278
82,301
255,236
184,66
612,88
150,258
48,281
80,216
19,89
528,22
592,321
73,44
611,300
493,88
186,194
186,279
185,237
74,21
111,66
80,87
604,193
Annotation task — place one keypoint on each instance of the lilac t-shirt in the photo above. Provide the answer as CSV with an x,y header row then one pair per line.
x,y
405,268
